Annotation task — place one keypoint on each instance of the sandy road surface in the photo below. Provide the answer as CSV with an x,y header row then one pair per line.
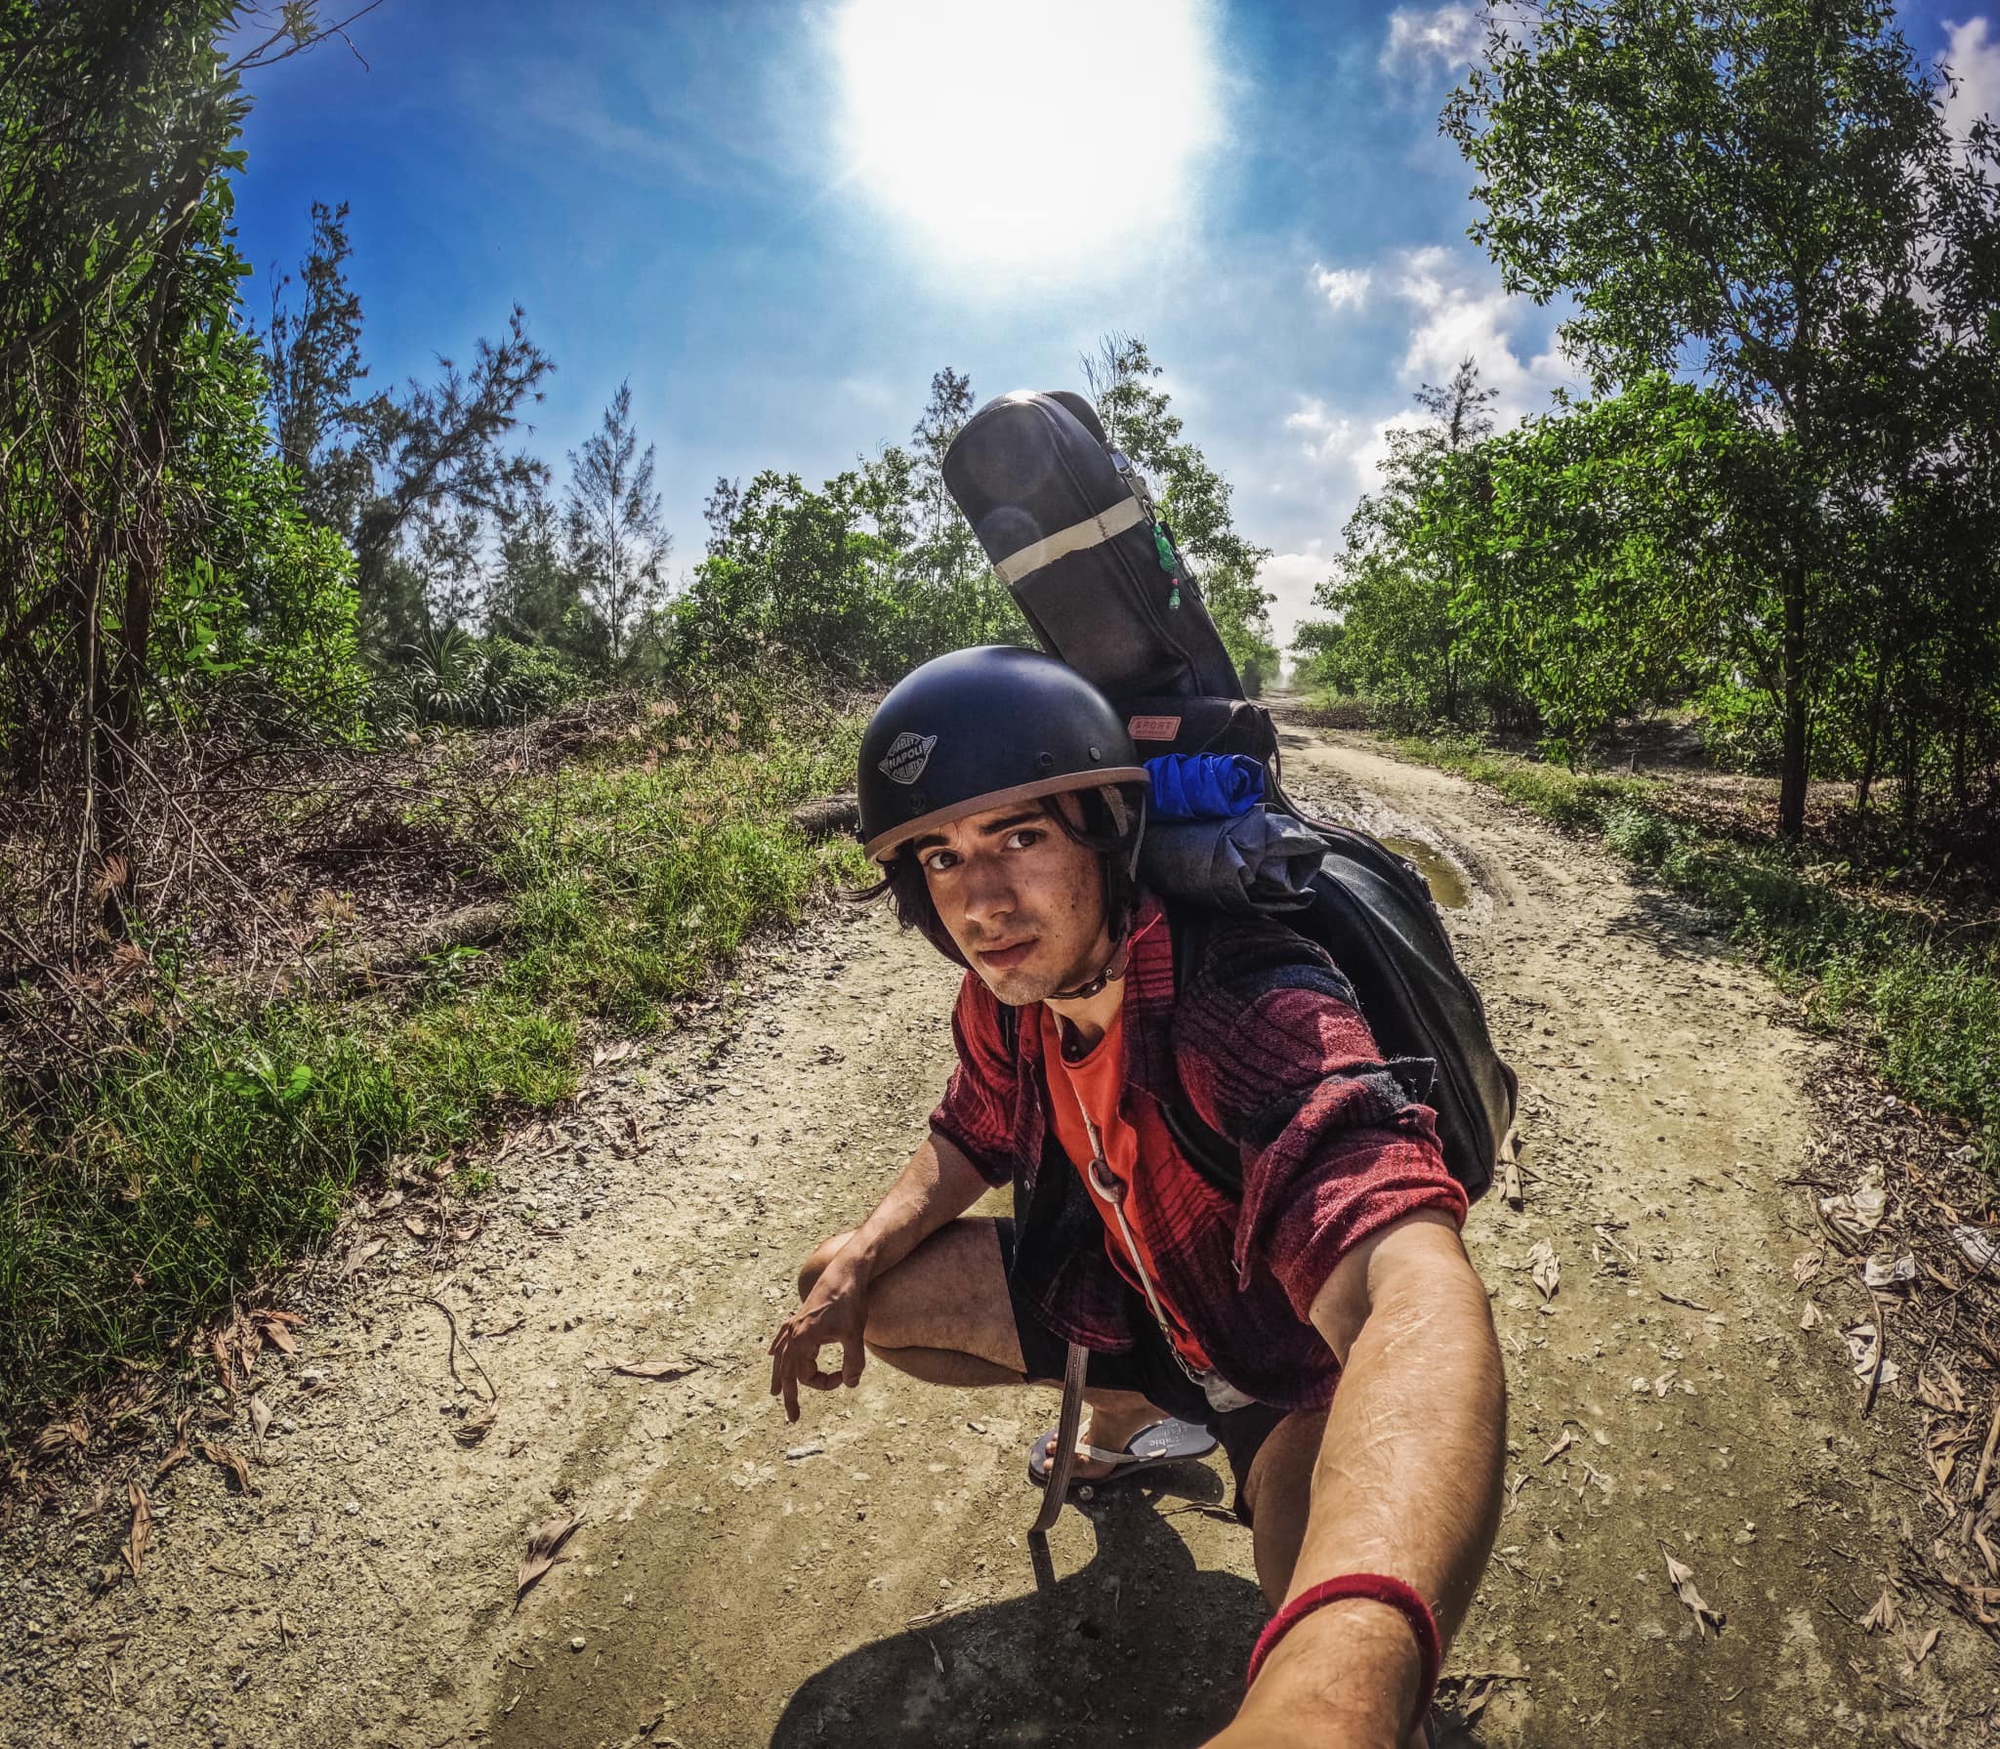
x,y
863,1577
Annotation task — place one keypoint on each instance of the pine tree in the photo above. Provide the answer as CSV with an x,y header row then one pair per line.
x,y
617,541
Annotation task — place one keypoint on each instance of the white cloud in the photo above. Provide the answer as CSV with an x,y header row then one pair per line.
x,y
1291,579
1341,286
1423,42
1973,57
1461,313
1326,438
1457,311
1369,455
1431,307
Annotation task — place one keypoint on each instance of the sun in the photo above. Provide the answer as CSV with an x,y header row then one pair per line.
x,y
1041,137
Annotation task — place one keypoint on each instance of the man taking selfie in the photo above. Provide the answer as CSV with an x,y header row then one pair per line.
x,y
1312,1311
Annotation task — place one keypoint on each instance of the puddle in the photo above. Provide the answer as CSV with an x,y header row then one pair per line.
x,y
1448,886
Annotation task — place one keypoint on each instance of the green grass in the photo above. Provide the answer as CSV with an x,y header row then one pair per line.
x,y
1929,1005
191,1167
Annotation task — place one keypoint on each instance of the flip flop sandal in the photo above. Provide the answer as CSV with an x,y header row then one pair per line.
x,y
1165,1442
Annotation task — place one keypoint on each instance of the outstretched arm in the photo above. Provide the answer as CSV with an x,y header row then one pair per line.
x,y
1407,1484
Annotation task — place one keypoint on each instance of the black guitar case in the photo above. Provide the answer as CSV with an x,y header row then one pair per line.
x,y
1072,530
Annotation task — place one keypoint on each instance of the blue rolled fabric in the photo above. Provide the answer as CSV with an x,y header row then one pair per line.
x,y
1204,786
1257,862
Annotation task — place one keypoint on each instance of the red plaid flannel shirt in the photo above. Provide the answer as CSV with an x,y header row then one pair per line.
x,y
1268,1044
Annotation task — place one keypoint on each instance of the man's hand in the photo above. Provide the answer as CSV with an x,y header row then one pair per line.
x,y
936,1186
836,1310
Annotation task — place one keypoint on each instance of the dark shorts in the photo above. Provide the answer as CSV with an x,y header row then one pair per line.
x,y
1148,1367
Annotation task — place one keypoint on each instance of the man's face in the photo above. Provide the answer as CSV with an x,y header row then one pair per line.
x,y
1021,898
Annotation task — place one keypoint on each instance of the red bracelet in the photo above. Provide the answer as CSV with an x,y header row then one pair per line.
x,y
1378,1588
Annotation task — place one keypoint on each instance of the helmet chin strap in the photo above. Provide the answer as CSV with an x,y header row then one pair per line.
x,y
1121,949
1114,968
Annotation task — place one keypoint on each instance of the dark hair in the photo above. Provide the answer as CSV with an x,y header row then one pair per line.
x,y
1113,817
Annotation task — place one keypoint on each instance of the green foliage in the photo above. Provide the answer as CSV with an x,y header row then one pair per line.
x,y
1767,194
535,594
1929,1003
862,579
1403,634
136,1200
1739,727
1622,551
154,563
449,678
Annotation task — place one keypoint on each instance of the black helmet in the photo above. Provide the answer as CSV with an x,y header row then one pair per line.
x,y
978,729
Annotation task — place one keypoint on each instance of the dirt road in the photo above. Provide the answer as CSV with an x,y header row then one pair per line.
x,y
864,1577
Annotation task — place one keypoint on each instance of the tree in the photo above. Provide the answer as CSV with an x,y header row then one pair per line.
x,y
859,580
436,452
534,594
1746,189
955,592
719,511
1397,585
617,541
135,464
312,360
941,533
1622,556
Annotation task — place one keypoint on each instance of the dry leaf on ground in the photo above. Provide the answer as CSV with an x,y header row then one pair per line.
x,y
656,1369
1919,1650
277,1331
141,1533
1941,1390
227,1457
544,1540
177,1453
58,1434
475,1427
1562,1445
1805,1267
1883,1617
1808,1315
1543,1267
1682,1578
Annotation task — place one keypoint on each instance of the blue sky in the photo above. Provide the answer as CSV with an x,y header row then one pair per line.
x,y
778,219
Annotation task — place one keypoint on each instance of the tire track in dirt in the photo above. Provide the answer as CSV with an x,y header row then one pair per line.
x,y
863,1577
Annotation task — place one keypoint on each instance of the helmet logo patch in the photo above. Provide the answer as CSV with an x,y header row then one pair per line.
x,y
908,754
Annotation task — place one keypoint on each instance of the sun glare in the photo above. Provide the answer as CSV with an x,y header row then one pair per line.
x,y
1043,137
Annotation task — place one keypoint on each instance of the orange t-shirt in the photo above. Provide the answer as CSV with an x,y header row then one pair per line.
x,y
1098,1079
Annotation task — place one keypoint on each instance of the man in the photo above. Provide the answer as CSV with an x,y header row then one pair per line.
x,y
1001,795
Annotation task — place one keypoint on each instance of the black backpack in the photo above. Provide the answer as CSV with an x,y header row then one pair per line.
x,y
1073,532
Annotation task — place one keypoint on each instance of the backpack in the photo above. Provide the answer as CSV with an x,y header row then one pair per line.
x,y
1071,529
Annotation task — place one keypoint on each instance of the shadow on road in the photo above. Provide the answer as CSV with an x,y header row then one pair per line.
x,y
1139,1646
